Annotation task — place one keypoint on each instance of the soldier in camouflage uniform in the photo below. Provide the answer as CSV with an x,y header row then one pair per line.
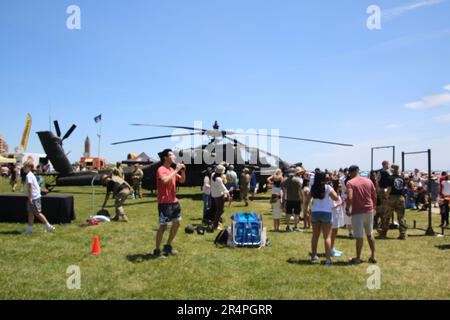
x,y
383,179
118,171
397,202
137,177
244,185
120,190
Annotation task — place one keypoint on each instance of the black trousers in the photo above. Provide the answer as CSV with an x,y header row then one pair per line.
x,y
444,212
220,203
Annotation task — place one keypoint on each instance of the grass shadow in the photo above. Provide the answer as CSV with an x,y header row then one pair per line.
x,y
415,236
302,262
10,233
342,237
64,192
386,239
307,262
128,204
196,196
443,246
139,258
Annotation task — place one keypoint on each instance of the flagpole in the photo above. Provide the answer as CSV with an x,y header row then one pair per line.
x,y
99,139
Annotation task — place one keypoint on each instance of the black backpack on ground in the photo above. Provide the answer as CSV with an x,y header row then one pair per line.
x,y
222,238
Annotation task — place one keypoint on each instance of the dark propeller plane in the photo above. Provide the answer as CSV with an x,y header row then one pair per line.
x,y
64,173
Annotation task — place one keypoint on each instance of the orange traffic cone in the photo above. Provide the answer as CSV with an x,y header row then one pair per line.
x,y
96,247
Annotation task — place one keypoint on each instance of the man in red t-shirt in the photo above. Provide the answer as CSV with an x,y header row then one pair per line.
x,y
169,209
362,198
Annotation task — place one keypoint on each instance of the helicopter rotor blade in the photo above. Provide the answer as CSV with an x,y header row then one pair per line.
x,y
295,138
67,135
155,138
164,126
237,142
58,130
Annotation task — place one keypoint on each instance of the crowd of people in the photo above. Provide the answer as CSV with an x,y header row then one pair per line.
x,y
15,174
328,201
324,201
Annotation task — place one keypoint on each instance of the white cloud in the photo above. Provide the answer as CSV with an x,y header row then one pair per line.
x,y
392,126
397,11
443,118
447,87
429,102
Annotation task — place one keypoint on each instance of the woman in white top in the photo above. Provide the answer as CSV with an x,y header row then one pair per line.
x,y
446,187
323,196
219,193
445,203
306,190
206,194
337,218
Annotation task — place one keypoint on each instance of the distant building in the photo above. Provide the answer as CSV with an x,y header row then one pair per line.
x,y
92,163
87,148
144,158
4,148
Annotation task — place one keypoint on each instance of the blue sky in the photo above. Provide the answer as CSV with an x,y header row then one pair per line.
x,y
309,68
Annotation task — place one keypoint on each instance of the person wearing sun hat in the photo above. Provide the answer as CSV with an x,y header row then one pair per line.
x,y
232,182
292,189
219,193
434,190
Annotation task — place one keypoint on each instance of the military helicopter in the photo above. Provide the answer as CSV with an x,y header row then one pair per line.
x,y
234,152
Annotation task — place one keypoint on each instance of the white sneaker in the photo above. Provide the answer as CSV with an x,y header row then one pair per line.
x,y
28,232
50,228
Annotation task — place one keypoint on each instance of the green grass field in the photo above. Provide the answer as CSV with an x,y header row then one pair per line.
x,y
34,267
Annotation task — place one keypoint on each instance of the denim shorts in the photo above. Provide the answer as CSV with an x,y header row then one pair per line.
x,y
169,212
321,216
